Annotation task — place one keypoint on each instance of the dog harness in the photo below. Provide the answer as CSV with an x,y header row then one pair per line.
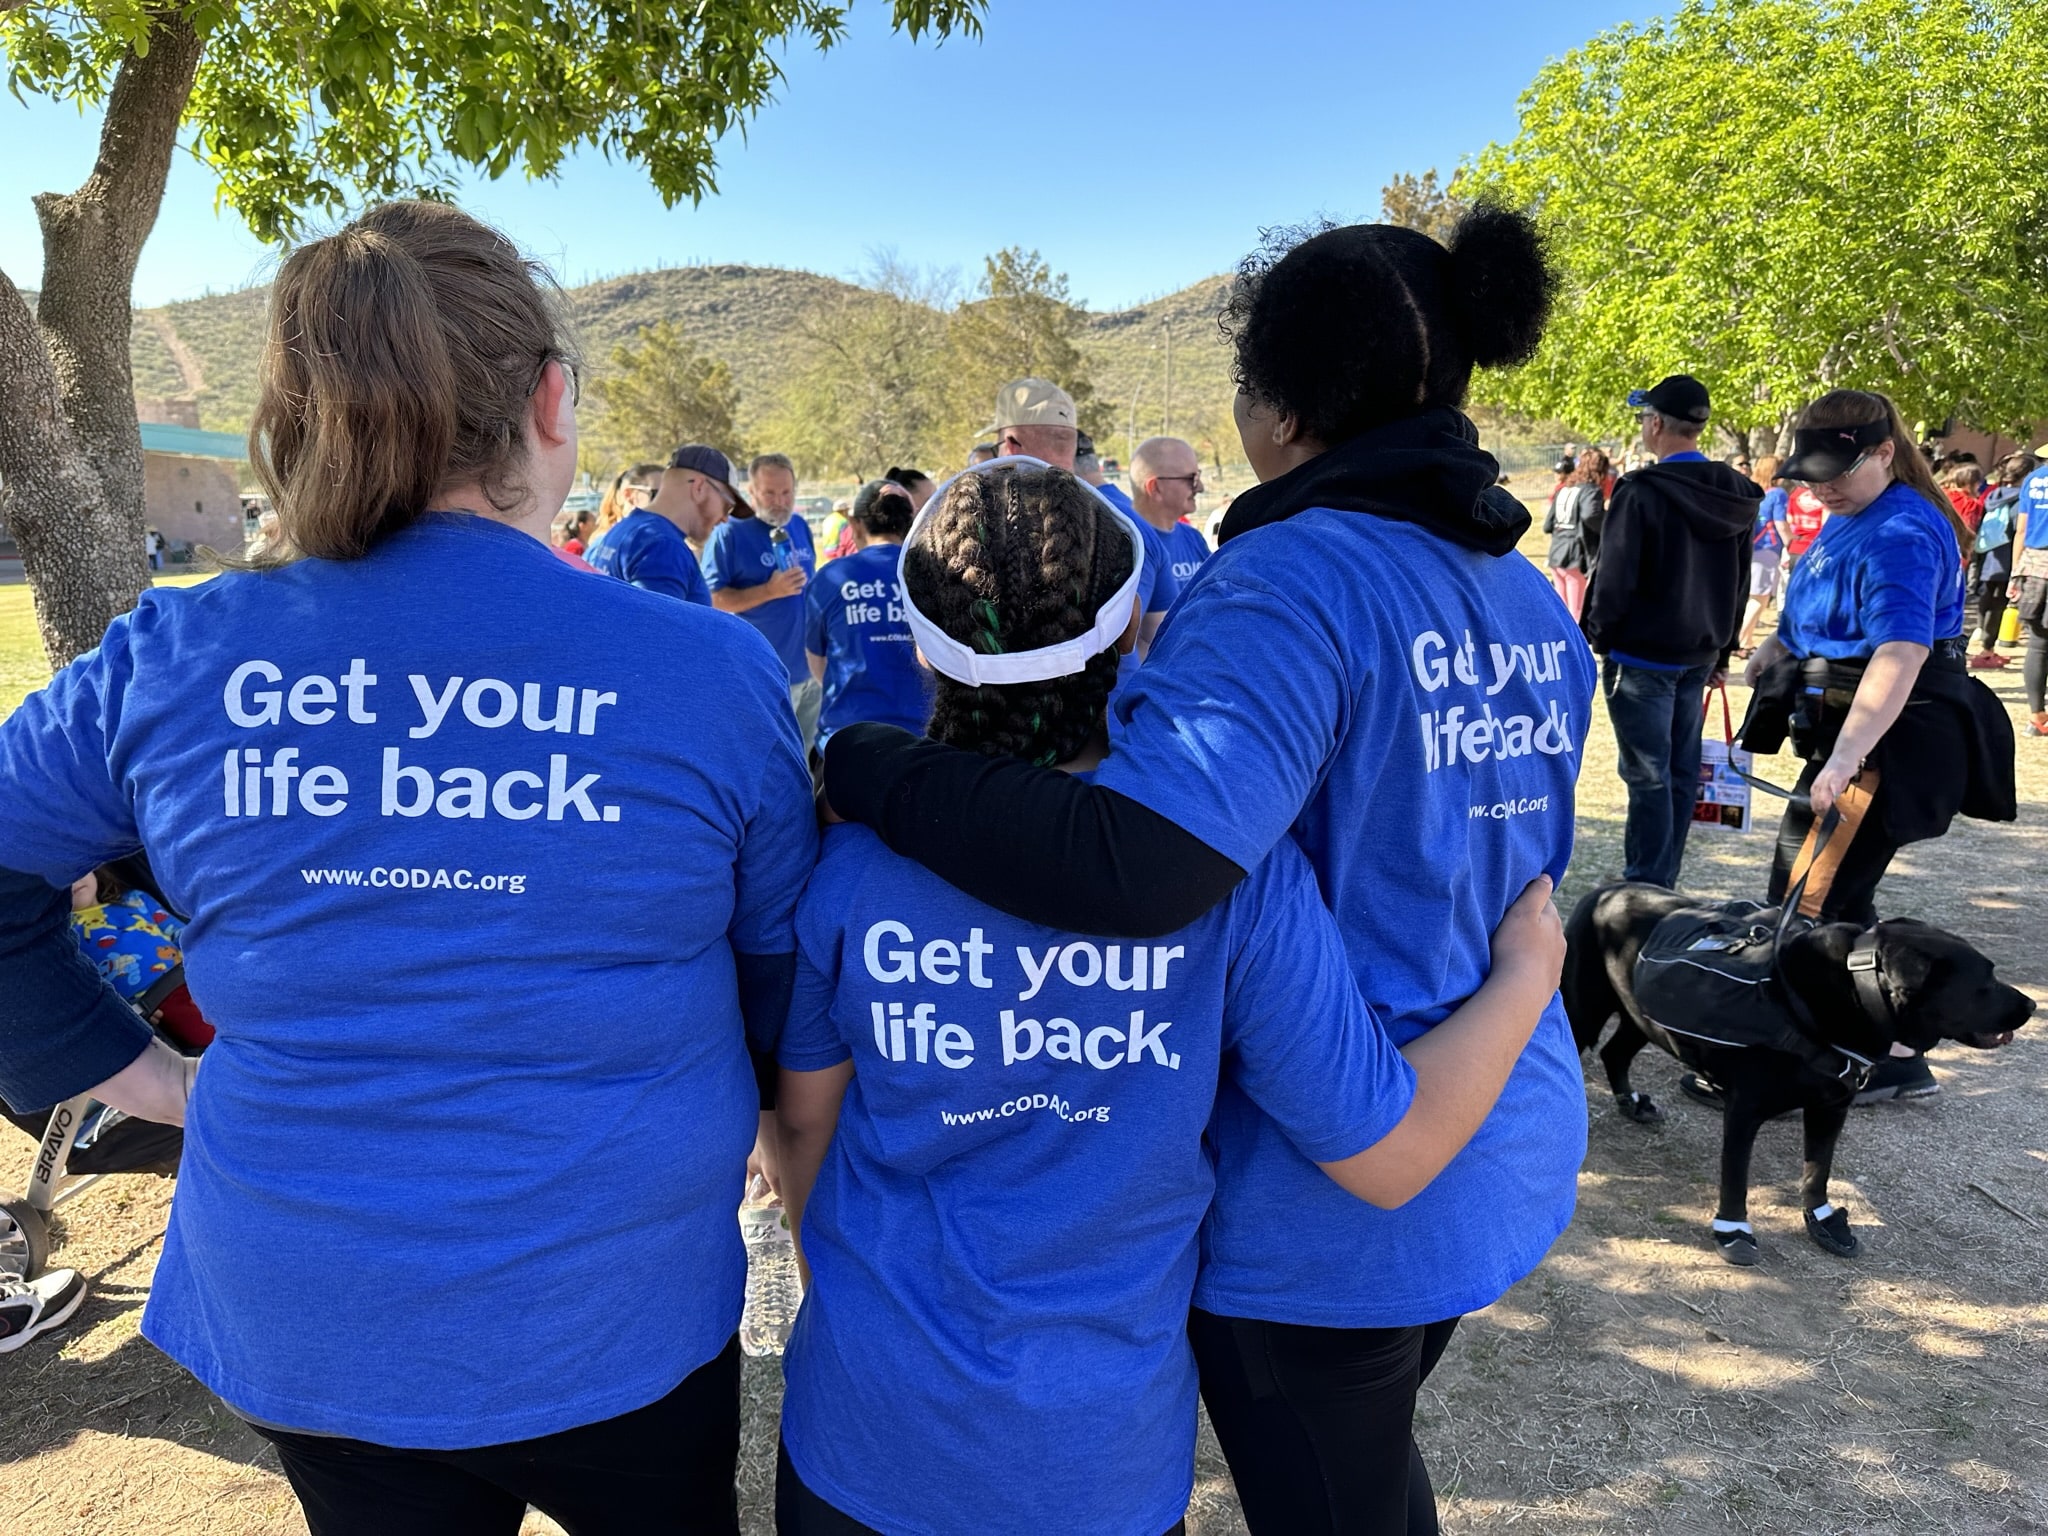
x,y
1710,973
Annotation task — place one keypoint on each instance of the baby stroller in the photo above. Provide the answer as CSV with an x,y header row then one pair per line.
x,y
82,1140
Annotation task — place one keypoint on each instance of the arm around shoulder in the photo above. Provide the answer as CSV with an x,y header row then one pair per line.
x,y
1462,1064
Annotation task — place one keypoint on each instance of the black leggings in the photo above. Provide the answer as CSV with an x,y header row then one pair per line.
x,y
667,1468
1317,1423
800,1512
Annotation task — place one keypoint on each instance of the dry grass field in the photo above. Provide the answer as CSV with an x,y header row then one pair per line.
x,y
1633,1383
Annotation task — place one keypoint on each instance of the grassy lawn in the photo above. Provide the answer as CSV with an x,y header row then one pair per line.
x,y
1632,1383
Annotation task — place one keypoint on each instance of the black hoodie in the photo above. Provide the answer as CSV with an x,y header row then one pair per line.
x,y
1427,469
1673,573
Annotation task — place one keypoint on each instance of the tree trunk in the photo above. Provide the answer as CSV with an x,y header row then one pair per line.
x,y
71,459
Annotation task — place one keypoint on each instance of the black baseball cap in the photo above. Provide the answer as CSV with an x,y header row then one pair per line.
x,y
1820,454
712,465
1680,397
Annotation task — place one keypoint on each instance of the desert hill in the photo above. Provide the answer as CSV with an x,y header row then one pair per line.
x,y
205,350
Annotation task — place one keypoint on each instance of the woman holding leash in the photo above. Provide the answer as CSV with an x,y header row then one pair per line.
x,y
376,769
1871,630
1364,668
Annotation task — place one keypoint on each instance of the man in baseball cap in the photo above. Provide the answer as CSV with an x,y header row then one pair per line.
x,y
1681,400
1670,582
651,547
1036,417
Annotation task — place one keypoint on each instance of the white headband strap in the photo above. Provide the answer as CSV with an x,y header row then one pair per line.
x,y
963,663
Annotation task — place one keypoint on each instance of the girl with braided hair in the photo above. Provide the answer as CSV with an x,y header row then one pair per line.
x,y
1365,673
992,1129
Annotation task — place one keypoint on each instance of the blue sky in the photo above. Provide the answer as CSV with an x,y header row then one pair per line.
x,y
1139,144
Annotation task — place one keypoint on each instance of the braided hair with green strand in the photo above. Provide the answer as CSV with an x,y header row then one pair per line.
x,y
1018,558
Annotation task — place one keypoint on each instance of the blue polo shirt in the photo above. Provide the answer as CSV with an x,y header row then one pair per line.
x,y
853,617
1890,572
647,550
738,554
379,785
1412,718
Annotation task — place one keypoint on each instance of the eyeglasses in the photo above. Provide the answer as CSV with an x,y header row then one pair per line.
x,y
1860,460
569,372
1194,481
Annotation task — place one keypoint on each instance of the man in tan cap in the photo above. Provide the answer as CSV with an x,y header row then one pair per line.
x,y
1036,417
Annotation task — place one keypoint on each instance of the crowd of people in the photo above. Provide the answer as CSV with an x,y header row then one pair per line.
x,y
1090,1045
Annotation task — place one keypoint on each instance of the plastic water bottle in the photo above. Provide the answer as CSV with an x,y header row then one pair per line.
x,y
778,546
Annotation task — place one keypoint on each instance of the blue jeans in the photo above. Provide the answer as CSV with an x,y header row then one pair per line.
x,y
1656,719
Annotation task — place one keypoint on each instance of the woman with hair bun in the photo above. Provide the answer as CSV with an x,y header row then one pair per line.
x,y
1367,670
1003,1232
1871,629
855,636
377,767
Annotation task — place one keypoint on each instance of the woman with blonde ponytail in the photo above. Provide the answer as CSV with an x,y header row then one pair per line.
x,y
375,768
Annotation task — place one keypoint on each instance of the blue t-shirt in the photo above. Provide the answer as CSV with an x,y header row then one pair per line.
x,y
649,551
416,816
1157,585
2034,503
853,617
1770,523
1890,572
1003,1235
739,554
1413,716
1186,549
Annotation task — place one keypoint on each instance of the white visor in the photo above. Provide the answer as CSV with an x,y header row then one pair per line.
x,y
963,663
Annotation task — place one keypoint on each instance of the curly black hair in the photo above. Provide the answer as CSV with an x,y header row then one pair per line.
x,y
1348,327
1018,558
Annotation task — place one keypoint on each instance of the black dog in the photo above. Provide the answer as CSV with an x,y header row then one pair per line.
x,y
1818,1023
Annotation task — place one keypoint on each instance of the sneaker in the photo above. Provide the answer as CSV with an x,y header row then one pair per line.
x,y
774,1289
1985,661
1899,1077
30,1307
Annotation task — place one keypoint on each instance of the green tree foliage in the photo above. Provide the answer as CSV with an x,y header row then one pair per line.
x,y
660,391
1782,197
1021,323
1418,203
317,104
312,106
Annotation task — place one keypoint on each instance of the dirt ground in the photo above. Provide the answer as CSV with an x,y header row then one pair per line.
x,y
1632,1383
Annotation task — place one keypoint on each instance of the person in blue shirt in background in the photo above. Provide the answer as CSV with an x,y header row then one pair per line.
x,y
650,547
1368,669
1158,586
377,767
856,638
757,564
1003,1232
2029,589
1766,551
1166,477
1873,623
